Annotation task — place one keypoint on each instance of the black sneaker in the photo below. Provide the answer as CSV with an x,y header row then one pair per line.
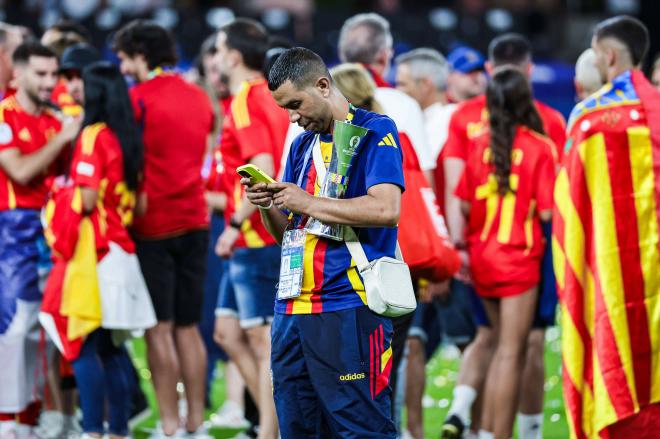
x,y
452,428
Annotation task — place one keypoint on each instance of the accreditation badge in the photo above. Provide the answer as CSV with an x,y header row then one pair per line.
x,y
291,268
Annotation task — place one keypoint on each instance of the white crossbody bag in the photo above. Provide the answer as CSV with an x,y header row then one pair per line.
x,y
387,281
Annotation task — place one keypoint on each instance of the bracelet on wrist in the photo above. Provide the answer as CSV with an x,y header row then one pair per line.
x,y
266,207
235,224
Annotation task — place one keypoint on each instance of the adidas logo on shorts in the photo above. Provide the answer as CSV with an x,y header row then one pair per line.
x,y
352,377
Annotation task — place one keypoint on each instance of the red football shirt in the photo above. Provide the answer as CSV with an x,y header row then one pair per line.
x,y
470,120
29,133
255,125
98,164
176,118
504,235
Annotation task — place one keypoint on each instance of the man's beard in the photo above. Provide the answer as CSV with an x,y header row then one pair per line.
x,y
36,100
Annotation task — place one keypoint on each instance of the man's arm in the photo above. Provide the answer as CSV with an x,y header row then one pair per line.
x,y
455,221
265,163
224,246
22,168
381,206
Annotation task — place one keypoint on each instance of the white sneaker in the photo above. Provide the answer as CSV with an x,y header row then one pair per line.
x,y
72,428
157,433
230,415
51,425
201,433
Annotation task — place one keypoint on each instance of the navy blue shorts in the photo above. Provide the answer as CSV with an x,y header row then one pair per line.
x,y
331,374
451,320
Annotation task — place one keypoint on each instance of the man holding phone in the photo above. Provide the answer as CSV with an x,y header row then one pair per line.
x,y
331,355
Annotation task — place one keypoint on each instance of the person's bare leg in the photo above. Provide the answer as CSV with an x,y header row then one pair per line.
x,y
259,339
530,407
232,338
164,366
56,400
235,385
492,308
471,376
504,377
415,382
192,358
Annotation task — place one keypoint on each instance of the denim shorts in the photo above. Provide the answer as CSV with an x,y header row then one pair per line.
x,y
252,281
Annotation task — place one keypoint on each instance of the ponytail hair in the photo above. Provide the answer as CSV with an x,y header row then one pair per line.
x,y
510,104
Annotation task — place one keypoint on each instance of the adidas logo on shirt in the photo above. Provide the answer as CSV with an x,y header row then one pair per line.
x,y
388,141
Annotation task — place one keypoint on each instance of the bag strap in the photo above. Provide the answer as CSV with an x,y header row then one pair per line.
x,y
357,251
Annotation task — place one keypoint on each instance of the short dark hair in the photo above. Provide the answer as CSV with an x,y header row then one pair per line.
x,y
148,39
250,39
300,66
23,52
629,31
509,48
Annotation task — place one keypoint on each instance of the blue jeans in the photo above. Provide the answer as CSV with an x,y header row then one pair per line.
x,y
102,375
253,274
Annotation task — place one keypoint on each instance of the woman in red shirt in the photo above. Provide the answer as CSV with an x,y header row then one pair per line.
x,y
507,189
107,160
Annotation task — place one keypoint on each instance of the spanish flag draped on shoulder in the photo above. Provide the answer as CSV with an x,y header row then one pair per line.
x,y
606,251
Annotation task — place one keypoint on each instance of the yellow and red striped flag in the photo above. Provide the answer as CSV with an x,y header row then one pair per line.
x,y
606,251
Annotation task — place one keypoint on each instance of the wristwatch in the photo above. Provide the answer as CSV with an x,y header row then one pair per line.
x,y
234,223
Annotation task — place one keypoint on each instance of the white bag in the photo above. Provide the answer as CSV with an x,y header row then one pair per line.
x,y
386,280
125,300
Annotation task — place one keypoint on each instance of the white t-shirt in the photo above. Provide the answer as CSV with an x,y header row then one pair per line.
x,y
409,119
436,122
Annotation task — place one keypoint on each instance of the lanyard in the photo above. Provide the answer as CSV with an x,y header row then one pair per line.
x,y
159,71
308,154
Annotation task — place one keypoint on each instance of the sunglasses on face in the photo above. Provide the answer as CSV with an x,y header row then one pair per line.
x,y
71,74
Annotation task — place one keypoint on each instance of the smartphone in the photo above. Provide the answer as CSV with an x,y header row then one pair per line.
x,y
254,173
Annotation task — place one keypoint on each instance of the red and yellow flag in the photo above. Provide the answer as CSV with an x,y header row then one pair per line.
x,y
606,249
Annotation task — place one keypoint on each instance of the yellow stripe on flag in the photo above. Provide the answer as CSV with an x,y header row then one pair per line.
x,y
597,177
81,297
559,262
574,249
604,410
643,178
573,356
